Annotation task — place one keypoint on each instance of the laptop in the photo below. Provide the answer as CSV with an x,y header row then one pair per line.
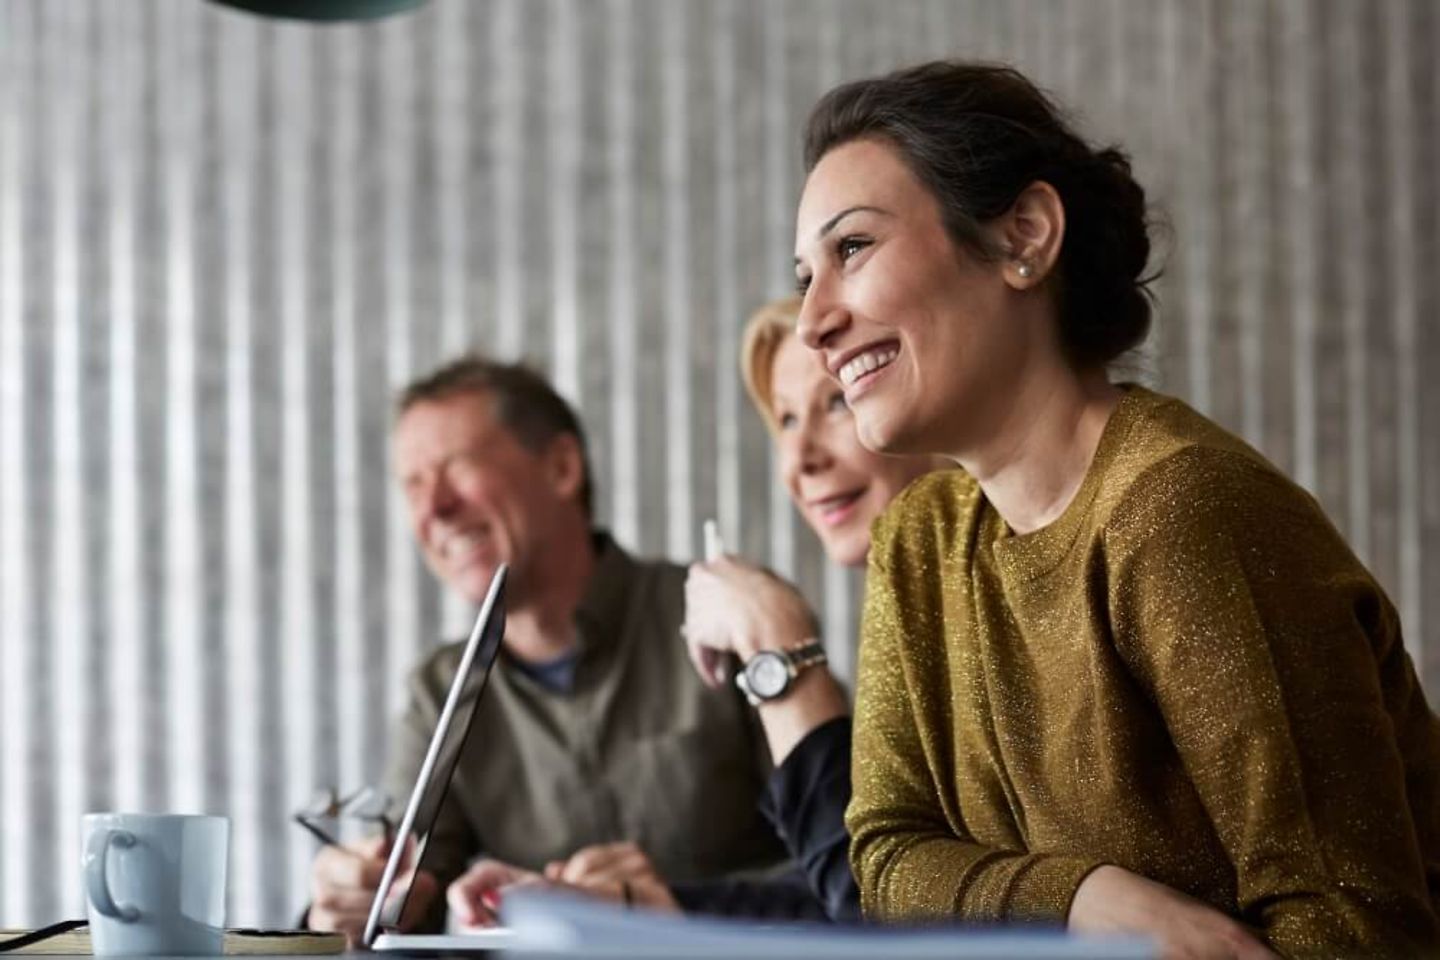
x,y
553,925
451,730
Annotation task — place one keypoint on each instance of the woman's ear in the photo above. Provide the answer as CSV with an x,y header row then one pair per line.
x,y
1031,233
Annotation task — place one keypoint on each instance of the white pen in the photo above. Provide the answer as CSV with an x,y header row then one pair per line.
x,y
714,550
714,546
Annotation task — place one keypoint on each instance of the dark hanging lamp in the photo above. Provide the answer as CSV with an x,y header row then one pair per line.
x,y
323,10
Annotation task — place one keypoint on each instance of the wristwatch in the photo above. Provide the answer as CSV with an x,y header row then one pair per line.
x,y
769,674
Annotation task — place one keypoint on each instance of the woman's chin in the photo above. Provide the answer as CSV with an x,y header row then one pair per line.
x,y
867,430
878,434
897,433
848,548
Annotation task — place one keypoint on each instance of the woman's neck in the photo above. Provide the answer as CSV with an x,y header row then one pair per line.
x,y
1033,464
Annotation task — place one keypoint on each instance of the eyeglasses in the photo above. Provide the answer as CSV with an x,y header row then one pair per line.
x,y
324,813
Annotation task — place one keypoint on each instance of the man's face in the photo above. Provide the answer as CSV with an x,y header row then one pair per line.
x,y
477,497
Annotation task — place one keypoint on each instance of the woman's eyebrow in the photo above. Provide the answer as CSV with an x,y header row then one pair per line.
x,y
834,221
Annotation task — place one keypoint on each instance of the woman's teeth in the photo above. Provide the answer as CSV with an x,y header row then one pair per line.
x,y
832,505
869,361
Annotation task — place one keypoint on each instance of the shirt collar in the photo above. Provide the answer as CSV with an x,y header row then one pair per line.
x,y
601,612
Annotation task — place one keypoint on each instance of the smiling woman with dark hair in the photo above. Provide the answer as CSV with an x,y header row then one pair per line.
x,y
1119,672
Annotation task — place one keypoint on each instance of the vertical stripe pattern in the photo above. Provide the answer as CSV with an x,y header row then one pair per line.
x,y
226,241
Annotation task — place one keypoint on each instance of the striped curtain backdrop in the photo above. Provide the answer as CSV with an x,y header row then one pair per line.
x,y
225,241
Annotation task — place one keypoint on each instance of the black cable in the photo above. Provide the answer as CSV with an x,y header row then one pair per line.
x,y
41,935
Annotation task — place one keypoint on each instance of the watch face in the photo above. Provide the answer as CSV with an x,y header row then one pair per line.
x,y
767,675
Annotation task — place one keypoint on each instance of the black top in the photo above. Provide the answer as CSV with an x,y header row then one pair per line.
x,y
805,800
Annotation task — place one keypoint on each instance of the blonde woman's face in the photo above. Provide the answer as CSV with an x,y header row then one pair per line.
x,y
838,486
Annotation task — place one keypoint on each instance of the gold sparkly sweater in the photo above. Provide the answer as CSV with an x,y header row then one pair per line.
x,y
1188,675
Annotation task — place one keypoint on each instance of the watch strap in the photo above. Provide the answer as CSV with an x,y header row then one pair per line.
x,y
811,653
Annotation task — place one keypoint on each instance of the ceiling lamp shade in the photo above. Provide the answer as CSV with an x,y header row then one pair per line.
x,y
325,10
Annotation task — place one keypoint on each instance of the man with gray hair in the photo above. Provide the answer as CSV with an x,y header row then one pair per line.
x,y
594,729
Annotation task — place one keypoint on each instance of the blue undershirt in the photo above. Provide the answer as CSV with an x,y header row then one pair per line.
x,y
557,676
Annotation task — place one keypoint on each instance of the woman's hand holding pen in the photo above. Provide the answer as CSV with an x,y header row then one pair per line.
x,y
736,607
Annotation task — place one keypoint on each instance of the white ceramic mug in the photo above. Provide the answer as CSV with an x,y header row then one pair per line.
x,y
155,883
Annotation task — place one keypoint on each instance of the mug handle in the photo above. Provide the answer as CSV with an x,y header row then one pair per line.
x,y
96,848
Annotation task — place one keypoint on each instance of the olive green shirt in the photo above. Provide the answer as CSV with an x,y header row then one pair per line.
x,y
639,749
1188,675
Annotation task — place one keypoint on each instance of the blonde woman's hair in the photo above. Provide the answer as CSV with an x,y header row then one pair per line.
x,y
765,331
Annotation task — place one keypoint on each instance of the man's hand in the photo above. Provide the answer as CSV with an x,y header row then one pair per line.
x,y
1113,900
343,881
610,871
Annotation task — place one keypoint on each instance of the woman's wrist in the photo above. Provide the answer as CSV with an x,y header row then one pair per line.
x,y
815,698
782,635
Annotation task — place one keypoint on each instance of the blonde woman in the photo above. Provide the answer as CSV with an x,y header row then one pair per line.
x,y
735,607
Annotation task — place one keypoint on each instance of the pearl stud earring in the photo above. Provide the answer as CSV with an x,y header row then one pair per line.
x,y
1025,270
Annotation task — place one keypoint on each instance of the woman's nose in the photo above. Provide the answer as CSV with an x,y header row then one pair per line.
x,y
814,454
822,316
801,456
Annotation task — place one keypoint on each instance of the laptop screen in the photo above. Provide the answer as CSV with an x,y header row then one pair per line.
x,y
446,743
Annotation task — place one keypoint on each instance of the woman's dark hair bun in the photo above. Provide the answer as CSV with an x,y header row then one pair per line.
x,y
1104,299
978,134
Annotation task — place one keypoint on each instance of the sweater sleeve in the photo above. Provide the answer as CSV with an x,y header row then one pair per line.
x,y
805,801
913,859
1277,666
